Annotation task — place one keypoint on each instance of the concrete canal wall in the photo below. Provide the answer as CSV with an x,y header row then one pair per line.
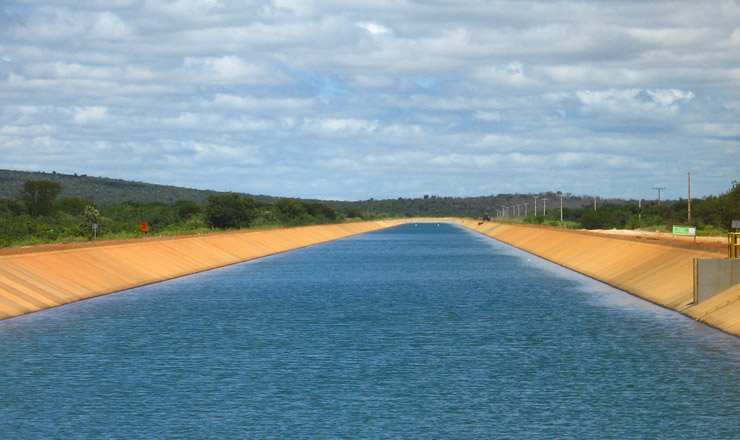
x,y
656,272
38,278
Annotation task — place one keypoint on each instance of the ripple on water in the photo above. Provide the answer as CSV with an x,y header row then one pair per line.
x,y
410,332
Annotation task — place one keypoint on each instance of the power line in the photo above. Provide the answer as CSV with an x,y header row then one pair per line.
x,y
659,190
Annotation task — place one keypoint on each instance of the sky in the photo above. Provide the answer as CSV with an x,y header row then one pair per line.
x,y
351,100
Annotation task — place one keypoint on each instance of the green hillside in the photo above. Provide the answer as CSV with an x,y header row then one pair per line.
x,y
105,191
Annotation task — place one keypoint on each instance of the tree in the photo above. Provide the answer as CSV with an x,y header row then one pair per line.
x,y
290,208
72,205
92,215
354,213
11,208
729,205
39,195
186,208
229,211
319,210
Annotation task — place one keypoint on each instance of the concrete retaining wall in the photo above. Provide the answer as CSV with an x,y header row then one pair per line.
x,y
31,281
714,276
36,280
660,274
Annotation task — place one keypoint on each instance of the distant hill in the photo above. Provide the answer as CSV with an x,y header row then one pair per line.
x,y
107,191
103,190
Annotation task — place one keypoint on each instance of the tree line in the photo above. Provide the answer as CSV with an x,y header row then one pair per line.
x,y
38,215
713,214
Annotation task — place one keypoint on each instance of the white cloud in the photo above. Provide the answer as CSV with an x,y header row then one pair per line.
x,y
373,28
510,75
223,101
487,116
341,125
635,102
668,97
225,69
402,158
715,129
440,93
108,26
182,9
90,115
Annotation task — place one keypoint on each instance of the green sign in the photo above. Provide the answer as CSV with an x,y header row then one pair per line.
x,y
684,230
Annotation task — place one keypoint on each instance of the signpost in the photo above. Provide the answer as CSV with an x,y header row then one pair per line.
x,y
95,230
685,230
144,228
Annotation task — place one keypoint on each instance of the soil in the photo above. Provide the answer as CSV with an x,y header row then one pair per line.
x,y
712,244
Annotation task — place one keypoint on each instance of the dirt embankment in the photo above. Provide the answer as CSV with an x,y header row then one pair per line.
x,y
718,244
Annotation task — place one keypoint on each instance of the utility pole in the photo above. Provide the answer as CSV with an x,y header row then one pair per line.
x,y
639,204
544,206
525,209
560,194
595,203
659,190
690,173
535,205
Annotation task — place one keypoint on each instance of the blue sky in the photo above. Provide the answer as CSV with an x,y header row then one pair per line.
x,y
352,100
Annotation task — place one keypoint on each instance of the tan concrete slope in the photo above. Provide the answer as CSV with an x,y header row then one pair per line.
x,y
721,311
658,273
31,281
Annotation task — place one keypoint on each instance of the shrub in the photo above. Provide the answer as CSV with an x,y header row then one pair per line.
x,y
228,211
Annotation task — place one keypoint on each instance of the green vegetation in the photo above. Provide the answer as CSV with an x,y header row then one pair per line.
x,y
438,206
105,191
37,216
711,216
44,210
38,196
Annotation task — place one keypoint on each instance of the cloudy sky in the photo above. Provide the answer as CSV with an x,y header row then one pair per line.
x,y
349,99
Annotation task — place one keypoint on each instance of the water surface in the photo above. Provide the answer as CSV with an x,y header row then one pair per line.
x,y
410,332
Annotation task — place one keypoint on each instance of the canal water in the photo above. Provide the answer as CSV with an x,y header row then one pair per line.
x,y
419,332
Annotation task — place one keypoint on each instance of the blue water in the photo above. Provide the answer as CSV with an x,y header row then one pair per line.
x,y
428,332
